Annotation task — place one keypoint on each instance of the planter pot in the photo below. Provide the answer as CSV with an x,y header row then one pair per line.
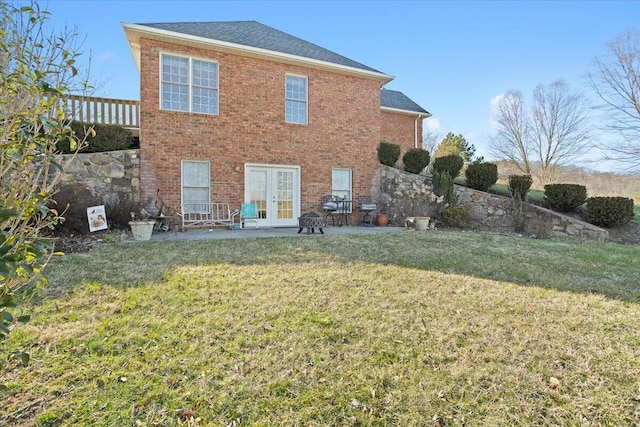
x,y
141,230
422,223
382,220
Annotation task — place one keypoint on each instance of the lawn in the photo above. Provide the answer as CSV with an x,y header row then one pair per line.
x,y
407,329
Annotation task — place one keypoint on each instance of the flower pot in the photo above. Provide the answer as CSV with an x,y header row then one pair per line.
x,y
382,220
422,223
141,230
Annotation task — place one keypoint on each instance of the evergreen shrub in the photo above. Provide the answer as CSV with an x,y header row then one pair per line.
x,y
451,164
415,160
481,176
106,138
388,153
609,211
565,197
519,185
457,216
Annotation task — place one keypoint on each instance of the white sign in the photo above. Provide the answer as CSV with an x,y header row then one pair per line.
x,y
97,218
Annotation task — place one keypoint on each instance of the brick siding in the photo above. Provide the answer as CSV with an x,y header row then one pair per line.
x,y
344,127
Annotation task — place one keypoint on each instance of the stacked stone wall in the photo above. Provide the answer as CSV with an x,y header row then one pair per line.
x,y
405,195
107,175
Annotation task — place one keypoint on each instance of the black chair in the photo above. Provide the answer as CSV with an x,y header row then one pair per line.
x,y
329,205
366,208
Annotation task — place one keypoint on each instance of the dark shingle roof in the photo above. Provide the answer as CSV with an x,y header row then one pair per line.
x,y
257,35
399,101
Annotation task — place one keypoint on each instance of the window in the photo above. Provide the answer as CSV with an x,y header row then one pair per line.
x,y
195,186
341,184
189,85
296,100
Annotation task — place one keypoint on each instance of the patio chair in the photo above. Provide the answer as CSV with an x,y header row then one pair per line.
x,y
248,213
366,207
329,205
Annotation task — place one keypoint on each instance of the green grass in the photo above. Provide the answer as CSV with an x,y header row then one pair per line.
x,y
403,329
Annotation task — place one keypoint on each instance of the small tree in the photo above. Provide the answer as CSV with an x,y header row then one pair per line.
x,y
519,185
456,145
38,72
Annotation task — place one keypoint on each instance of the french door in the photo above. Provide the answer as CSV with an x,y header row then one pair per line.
x,y
276,191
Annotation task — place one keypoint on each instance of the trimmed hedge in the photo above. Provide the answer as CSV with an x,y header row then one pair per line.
x,y
415,160
519,185
451,164
609,211
481,176
388,153
565,197
107,138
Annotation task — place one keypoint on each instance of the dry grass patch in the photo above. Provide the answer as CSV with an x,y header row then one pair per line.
x,y
312,332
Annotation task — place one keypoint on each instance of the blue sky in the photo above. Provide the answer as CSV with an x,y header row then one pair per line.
x,y
450,57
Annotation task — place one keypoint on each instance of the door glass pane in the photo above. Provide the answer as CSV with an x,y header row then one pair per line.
x,y
258,191
285,195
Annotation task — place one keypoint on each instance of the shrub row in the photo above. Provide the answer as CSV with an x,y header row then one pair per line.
x,y
565,197
105,138
609,211
481,176
451,164
519,185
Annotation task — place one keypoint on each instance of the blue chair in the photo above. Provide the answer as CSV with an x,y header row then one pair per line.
x,y
248,213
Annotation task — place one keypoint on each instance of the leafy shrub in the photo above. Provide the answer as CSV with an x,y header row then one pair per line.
x,y
457,216
451,164
415,160
72,201
565,197
481,176
119,208
519,185
443,186
388,153
106,138
609,211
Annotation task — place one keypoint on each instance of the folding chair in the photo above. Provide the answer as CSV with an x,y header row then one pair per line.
x,y
248,213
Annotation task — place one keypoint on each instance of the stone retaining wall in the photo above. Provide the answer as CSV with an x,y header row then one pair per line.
x,y
408,195
106,174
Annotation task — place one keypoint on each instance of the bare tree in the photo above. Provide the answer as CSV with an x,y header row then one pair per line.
x,y
616,81
560,127
511,138
553,132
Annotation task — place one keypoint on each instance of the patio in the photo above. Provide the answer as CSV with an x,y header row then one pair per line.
x,y
224,233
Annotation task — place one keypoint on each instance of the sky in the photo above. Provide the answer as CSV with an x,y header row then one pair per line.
x,y
451,57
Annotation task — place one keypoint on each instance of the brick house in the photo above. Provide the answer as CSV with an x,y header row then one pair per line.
x,y
239,111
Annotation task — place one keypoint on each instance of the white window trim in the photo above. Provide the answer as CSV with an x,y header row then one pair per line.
x,y
190,84
306,99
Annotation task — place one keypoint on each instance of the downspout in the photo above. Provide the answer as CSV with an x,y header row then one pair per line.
x,y
415,131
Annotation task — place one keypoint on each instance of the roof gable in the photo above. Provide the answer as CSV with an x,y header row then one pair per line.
x,y
249,38
399,102
255,34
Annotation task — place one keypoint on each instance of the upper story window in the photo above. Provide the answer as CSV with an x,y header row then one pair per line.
x,y
296,100
189,84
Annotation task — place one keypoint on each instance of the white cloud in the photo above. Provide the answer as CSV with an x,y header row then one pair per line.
x,y
106,56
494,102
432,124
